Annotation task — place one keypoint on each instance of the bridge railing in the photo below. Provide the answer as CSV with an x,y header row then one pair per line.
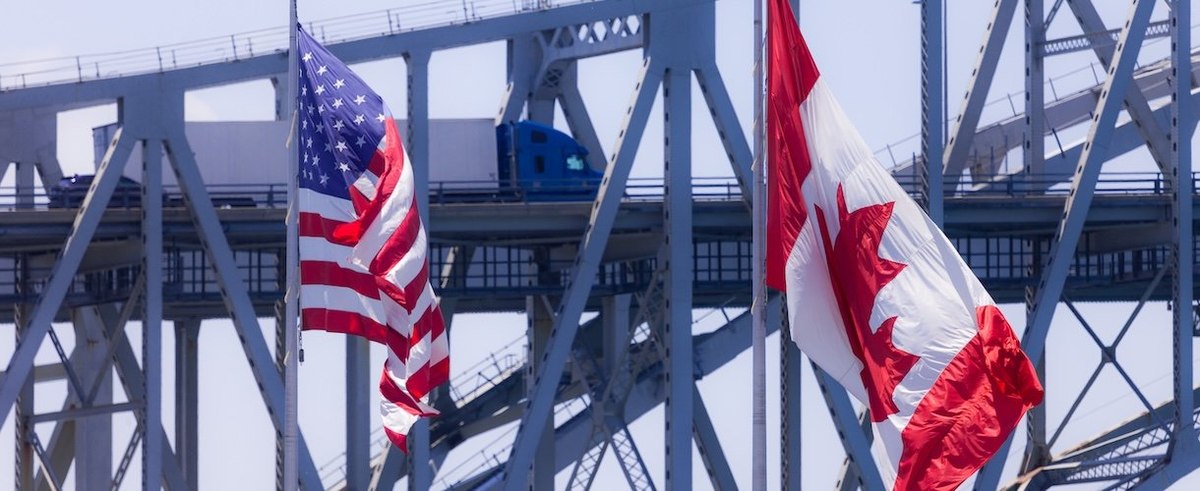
x,y
425,14
274,195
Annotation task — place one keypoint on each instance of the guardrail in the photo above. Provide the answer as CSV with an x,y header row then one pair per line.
x,y
273,195
220,49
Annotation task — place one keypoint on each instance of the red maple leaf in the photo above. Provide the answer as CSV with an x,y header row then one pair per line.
x,y
858,273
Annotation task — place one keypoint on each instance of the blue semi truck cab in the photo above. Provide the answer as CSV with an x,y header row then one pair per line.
x,y
541,163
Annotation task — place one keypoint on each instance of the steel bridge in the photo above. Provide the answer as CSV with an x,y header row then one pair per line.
x,y
1055,231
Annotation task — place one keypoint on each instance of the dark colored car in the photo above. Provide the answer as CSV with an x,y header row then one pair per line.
x,y
71,190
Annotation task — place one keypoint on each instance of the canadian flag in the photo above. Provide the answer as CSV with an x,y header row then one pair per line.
x,y
878,296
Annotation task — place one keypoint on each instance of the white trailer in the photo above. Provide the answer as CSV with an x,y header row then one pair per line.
x,y
462,153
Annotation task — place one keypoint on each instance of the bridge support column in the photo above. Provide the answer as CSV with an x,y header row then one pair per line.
x,y
187,401
152,269
358,412
421,467
677,325
22,430
933,119
791,365
540,322
1183,443
615,315
93,434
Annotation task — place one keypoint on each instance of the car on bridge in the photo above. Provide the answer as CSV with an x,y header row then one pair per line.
x,y
70,192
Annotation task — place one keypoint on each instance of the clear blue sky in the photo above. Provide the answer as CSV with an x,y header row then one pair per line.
x,y
869,56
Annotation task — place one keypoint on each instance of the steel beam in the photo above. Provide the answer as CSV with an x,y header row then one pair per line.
x,y
358,412
1136,105
615,316
932,106
152,269
576,113
126,364
421,476
24,454
855,441
1034,147
566,322
539,321
1066,237
1183,447
233,292
677,321
729,129
709,445
1034,155
65,266
93,430
187,400
977,89
791,365
25,185
522,64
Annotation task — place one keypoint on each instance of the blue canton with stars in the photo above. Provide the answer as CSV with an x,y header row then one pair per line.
x,y
341,121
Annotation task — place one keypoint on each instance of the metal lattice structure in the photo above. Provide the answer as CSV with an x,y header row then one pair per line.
x,y
643,255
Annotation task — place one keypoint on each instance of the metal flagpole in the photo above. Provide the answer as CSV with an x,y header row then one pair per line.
x,y
291,370
759,302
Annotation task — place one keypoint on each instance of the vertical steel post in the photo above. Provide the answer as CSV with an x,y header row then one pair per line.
x,y
1182,124
932,98
152,268
1034,153
187,402
93,434
420,476
1035,93
23,409
358,412
25,186
615,315
537,335
791,370
677,218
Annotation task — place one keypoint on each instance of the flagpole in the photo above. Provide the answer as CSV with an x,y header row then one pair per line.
x,y
758,304
291,367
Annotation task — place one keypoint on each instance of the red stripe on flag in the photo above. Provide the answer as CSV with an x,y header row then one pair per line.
x,y
428,376
378,162
439,322
400,397
400,243
332,274
791,76
398,439
970,410
423,326
315,225
343,322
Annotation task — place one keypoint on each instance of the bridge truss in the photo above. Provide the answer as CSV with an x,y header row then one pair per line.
x,y
643,255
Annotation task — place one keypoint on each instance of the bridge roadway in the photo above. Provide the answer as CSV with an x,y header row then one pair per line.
x,y
526,248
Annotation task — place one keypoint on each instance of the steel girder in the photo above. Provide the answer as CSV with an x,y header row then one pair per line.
x,y
973,102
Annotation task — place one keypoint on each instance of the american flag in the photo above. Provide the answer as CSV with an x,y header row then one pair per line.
x,y
363,269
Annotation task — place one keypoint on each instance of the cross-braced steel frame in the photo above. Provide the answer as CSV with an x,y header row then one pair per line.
x,y
642,338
